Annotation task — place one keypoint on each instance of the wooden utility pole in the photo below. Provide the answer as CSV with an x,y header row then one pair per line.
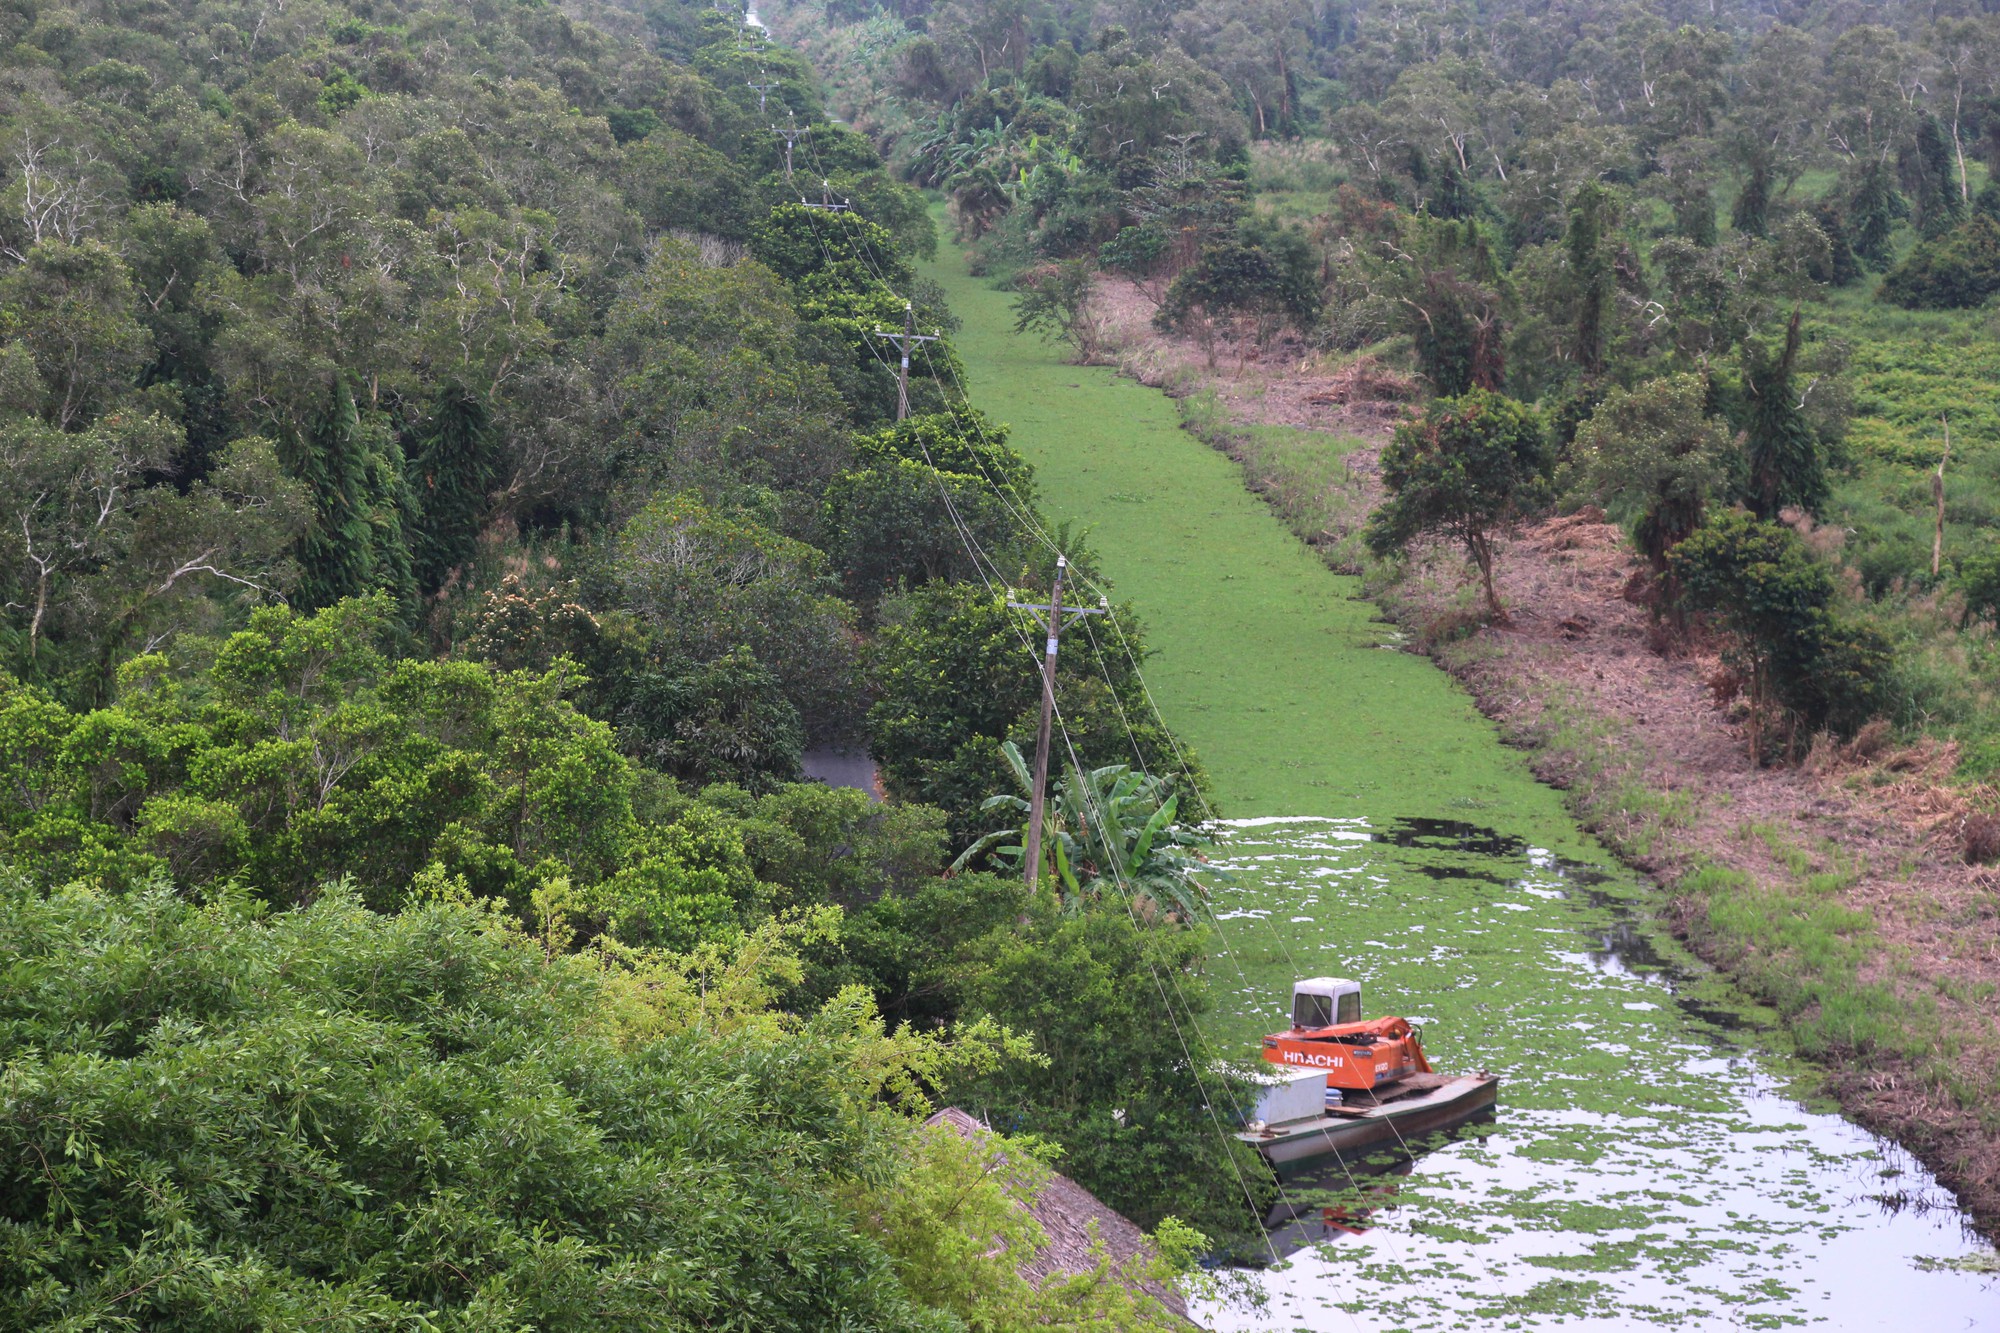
x,y
903,341
791,134
1937,500
763,91
1055,623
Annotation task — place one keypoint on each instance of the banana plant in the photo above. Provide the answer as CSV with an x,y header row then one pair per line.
x,y
1108,830
980,197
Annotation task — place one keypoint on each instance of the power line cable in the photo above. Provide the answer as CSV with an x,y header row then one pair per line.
x,y
1024,516
1023,513
1069,746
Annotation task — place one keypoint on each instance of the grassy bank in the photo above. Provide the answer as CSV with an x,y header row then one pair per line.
x,y
1832,931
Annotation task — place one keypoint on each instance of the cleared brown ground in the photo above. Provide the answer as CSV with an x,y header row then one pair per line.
x,y
1655,756
1884,817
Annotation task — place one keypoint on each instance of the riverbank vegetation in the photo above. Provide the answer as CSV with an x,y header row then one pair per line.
x,y
452,478
1737,271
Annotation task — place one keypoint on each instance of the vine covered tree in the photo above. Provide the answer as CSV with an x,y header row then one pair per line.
x,y
1446,285
1592,218
456,466
1785,461
1654,458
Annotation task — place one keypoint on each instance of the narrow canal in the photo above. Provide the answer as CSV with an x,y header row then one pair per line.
x,y
1650,1164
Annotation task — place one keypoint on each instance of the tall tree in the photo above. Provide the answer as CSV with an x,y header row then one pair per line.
x,y
331,459
456,466
1936,205
1786,465
1777,118
1752,210
1968,50
1873,208
1593,215
1447,287
174,263
72,306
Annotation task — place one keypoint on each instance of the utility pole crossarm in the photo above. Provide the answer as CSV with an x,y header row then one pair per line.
x,y
825,203
1071,614
908,338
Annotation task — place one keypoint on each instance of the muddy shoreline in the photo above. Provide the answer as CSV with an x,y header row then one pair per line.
x,y
1654,767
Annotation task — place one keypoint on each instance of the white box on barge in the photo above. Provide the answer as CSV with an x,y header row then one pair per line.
x,y
1286,1094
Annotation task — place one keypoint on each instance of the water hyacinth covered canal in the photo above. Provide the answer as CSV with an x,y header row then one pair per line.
x,y
1649,1165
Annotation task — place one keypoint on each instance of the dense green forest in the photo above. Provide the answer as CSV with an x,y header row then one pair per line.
x,y
451,477
1736,255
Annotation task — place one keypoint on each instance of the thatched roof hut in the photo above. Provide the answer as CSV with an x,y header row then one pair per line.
x,y
1072,1218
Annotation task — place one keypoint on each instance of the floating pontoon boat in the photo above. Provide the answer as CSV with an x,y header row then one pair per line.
x,y
1345,1083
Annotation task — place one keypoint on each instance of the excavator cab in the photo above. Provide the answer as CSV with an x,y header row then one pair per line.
x,y
1324,1002
1329,1033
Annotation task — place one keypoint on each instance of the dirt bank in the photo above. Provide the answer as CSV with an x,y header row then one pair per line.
x,y
1834,889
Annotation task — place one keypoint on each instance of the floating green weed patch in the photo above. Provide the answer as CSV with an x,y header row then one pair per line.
x,y
1274,670
1603,1257
1564,1296
1449,1231
1964,1263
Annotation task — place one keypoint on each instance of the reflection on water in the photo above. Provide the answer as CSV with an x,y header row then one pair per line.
x,y
1342,1194
1645,1168
1303,1217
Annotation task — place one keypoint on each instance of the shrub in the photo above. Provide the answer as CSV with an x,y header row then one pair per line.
x,y
1888,561
710,581
1978,582
1117,1050
337,1119
1137,253
722,721
1839,681
300,752
1652,456
1958,270
1264,271
1058,300
948,690
1807,666
902,522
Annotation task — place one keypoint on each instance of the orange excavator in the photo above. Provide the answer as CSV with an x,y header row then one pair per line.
x,y
1349,1082
1329,1034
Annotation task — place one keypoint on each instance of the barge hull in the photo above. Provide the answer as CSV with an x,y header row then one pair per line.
x,y
1441,1108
